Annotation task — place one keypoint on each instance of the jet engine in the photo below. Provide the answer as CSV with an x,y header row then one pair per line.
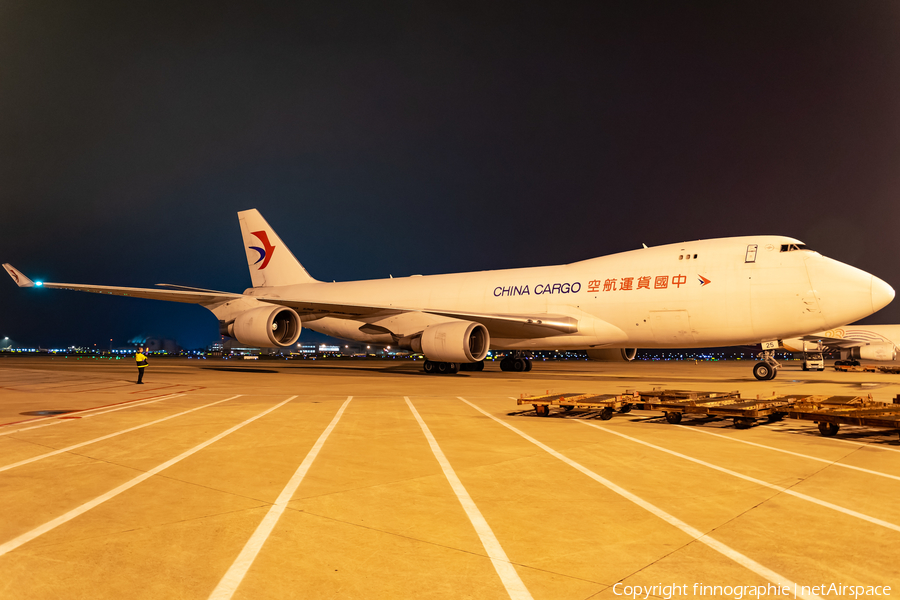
x,y
876,352
266,327
612,354
455,342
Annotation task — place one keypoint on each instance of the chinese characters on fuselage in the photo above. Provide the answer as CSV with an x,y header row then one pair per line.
x,y
645,282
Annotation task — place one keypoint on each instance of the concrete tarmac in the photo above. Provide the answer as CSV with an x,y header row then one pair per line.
x,y
369,479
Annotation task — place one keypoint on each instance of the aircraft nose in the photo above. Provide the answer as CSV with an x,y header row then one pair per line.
x,y
845,294
882,294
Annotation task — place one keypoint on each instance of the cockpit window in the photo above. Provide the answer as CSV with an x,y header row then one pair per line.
x,y
792,247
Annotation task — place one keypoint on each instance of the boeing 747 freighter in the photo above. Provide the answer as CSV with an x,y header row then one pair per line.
x,y
718,292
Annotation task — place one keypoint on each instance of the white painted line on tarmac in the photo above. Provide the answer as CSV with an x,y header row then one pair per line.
x,y
861,444
107,436
507,572
139,403
229,583
741,559
822,460
56,419
65,518
772,486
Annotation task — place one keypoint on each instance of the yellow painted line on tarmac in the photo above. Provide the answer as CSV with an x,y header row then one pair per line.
x,y
232,579
727,551
65,518
772,486
507,572
108,436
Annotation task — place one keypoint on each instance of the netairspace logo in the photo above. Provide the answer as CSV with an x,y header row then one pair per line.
x,y
739,592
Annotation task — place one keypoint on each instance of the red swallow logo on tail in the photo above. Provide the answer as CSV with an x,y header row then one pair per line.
x,y
265,253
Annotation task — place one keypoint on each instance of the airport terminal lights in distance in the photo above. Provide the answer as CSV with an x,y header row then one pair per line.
x,y
704,293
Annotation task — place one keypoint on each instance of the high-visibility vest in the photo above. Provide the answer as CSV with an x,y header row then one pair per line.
x,y
141,360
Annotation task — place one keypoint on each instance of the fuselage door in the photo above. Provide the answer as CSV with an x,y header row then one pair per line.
x,y
671,327
750,257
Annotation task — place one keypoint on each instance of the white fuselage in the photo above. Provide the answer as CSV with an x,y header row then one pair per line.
x,y
694,294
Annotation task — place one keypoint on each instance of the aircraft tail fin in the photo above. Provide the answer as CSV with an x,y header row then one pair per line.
x,y
270,261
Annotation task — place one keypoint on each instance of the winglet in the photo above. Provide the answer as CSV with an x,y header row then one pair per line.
x,y
18,276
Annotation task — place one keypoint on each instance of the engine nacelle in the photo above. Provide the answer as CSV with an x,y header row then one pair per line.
x,y
459,342
876,352
613,354
266,327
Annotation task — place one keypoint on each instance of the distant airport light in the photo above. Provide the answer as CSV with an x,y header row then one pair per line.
x,y
38,283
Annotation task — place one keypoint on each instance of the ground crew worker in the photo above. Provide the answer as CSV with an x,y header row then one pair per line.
x,y
141,360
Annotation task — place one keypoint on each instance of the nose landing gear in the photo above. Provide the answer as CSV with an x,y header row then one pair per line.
x,y
767,368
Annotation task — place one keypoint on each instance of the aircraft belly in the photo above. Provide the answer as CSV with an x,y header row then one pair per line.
x,y
347,329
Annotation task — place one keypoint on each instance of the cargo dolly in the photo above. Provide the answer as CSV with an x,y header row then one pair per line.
x,y
675,403
867,369
828,412
604,404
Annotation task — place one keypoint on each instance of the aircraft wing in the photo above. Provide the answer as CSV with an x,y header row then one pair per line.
x,y
833,342
514,326
186,295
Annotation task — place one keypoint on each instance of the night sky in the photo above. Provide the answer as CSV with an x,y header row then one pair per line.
x,y
425,138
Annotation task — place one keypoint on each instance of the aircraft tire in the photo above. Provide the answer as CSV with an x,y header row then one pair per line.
x,y
429,367
527,364
506,364
452,368
519,365
828,429
763,371
673,417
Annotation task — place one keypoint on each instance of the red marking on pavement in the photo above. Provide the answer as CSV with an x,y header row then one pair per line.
x,y
85,410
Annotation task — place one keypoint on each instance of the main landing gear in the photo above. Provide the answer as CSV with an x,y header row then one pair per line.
x,y
767,368
515,361
440,368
